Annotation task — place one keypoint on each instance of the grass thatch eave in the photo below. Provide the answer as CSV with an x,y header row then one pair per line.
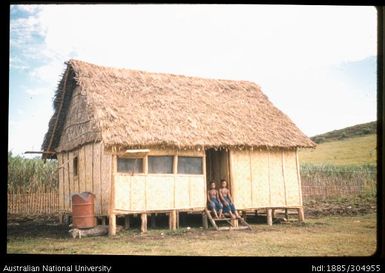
x,y
137,108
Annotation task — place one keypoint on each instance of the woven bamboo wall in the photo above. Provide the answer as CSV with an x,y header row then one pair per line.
x,y
277,190
241,180
291,180
264,179
160,192
260,182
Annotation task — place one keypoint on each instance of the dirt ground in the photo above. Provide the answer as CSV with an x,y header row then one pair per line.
x,y
324,233
342,207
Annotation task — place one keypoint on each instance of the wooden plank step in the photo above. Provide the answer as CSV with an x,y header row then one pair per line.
x,y
233,228
243,222
222,219
211,219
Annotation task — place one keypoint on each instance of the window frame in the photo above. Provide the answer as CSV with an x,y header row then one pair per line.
x,y
165,155
193,156
130,172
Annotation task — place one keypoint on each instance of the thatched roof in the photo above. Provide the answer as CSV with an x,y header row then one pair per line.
x,y
137,108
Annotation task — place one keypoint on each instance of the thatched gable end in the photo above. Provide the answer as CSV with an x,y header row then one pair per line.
x,y
129,108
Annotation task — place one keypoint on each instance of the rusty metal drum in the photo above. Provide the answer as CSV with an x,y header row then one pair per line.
x,y
83,215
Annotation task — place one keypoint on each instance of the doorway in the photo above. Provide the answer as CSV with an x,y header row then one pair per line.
x,y
217,167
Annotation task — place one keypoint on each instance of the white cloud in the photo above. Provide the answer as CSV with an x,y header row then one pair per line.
x,y
205,38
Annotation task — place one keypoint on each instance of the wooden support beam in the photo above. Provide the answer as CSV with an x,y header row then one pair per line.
x,y
112,215
127,222
270,217
112,225
204,221
301,215
287,214
143,218
172,220
177,219
104,220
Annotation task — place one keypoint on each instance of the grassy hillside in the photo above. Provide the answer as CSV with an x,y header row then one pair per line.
x,y
348,132
357,150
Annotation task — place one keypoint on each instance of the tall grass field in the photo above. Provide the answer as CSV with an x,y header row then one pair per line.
x,y
351,151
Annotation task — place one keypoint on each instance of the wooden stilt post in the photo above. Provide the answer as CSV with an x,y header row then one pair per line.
x,y
287,214
112,224
172,220
104,220
127,222
153,221
177,220
143,227
270,217
61,218
111,214
204,221
301,215
234,222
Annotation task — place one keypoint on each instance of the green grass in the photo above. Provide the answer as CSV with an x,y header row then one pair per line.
x,y
352,151
327,236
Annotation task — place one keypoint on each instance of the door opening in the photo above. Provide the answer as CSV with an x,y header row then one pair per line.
x,y
217,167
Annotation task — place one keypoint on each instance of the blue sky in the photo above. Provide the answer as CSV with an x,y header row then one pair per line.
x,y
315,63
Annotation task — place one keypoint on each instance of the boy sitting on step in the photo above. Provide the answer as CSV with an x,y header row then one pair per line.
x,y
228,205
214,202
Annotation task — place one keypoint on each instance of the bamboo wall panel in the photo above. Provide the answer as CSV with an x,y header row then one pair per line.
x,y
138,192
106,180
197,192
70,188
160,192
96,178
182,194
292,189
74,180
88,167
67,197
123,192
276,179
61,181
241,179
82,170
260,175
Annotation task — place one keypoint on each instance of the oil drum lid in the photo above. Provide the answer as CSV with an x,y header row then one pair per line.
x,y
84,196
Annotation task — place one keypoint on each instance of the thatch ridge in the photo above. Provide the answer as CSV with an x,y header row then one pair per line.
x,y
137,108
